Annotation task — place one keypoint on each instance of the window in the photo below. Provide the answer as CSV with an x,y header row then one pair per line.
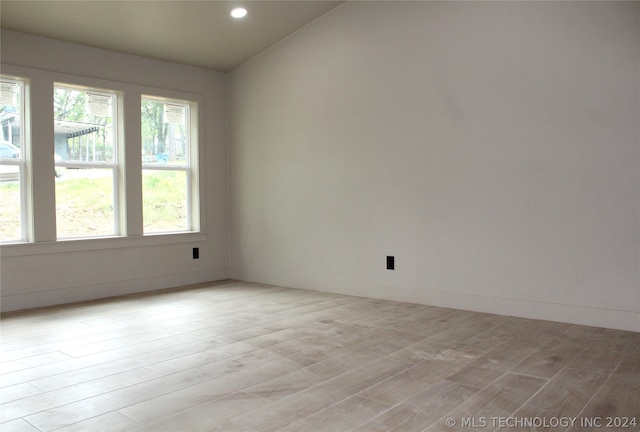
x,y
93,184
86,161
13,212
167,133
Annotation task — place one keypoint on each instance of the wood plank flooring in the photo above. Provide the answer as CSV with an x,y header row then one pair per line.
x,y
234,356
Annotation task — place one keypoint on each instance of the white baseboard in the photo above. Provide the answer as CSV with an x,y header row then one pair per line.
x,y
574,314
37,299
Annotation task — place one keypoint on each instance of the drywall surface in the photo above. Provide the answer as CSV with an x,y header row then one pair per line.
x,y
45,271
493,148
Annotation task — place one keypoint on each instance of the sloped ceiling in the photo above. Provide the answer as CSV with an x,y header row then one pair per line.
x,y
198,33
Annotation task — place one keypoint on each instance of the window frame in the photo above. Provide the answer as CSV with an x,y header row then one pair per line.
x,y
22,163
115,166
39,185
190,168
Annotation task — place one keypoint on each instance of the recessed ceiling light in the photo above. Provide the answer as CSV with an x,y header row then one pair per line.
x,y
239,12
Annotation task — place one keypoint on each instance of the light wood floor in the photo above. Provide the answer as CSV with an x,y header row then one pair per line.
x,y
234,356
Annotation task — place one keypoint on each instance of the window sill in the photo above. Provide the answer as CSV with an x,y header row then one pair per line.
x,y
89,244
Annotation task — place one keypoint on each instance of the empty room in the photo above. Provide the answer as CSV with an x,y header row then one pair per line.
x,y
278,216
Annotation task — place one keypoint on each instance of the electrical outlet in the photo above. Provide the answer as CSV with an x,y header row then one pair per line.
x,y
391,263
196,253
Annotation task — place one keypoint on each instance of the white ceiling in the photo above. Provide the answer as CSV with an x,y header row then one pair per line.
x,y
199,33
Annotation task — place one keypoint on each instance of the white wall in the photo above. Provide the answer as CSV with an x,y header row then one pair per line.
x,y
492,147
49,272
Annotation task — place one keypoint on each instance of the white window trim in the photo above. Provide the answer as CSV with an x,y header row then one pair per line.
x,y
40,227
193,196
22,162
